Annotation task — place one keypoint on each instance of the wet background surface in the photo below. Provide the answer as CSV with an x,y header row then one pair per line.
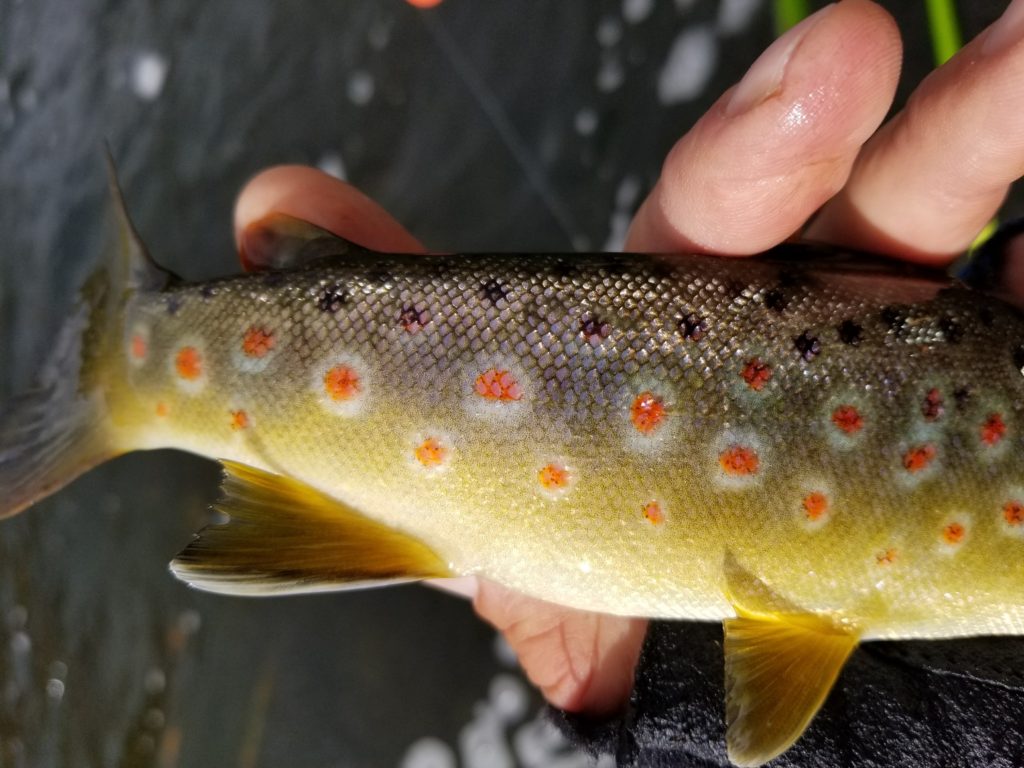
x,y
481,126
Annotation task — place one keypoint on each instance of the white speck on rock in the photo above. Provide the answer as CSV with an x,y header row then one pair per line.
x,y
155,681
332,164
635,11
148,73
610,75
689,66
609,31
627,193
509,698
360,87
586,121
618,228
428,753
735,16
380,34
503,651
21,643
55,689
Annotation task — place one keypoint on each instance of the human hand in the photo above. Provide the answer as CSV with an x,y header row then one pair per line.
x,y
797,136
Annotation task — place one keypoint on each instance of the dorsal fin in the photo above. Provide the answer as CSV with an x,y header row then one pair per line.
x,y
280,241
129,264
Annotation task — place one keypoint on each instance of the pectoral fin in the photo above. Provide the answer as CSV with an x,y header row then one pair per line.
x,y
779,667
286,537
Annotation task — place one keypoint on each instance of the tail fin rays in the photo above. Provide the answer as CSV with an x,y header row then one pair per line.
x,y
57,431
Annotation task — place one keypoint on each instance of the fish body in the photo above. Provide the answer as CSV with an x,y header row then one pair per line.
x,y
816,451
600,431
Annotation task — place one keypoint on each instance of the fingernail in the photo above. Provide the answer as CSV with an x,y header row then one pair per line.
x,y
764,77
1006,30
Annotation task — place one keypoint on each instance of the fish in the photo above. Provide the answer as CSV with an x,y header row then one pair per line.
x,y
813,447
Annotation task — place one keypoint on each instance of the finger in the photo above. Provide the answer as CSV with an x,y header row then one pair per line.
x,y
312,195
581,661
781,142
930,180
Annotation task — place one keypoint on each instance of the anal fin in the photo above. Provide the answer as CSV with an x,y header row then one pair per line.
x,y
284,537
779,667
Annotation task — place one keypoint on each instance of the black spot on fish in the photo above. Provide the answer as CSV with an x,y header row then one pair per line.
x,y
775,300
789,278
662,269
894,317
207,291
173,305
493,291
952,331
332,298
380,275
564,268
273,278
807,345
962,396
734,288
413,319
1018,358
594,328
987,317
693,327
850,332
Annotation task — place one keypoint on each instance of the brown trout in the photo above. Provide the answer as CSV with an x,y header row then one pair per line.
x,y
815,451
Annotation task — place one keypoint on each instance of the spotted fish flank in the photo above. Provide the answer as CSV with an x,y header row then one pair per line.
x,y
551,421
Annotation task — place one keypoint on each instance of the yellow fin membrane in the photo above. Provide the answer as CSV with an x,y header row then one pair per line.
x,y
286,537
779,668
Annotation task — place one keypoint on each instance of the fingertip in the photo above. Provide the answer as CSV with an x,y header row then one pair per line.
x,y
314,196
751,171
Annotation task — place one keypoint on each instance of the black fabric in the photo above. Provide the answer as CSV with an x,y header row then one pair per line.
x,y
943,703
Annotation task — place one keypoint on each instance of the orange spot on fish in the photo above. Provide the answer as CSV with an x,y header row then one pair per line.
x,y
887,556
647,412
498,385
994,429
919,457
1013,512
954,533
342,383
257,342
739,461
189,363
848,419
431,453
933,406
653,513
239,420
815,505
424,3
139,347
554,477
757,374
162,409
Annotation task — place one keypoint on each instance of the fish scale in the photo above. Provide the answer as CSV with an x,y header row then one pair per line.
x,y
814,448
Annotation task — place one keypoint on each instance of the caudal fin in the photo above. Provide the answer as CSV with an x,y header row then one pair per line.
x,y
59,429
